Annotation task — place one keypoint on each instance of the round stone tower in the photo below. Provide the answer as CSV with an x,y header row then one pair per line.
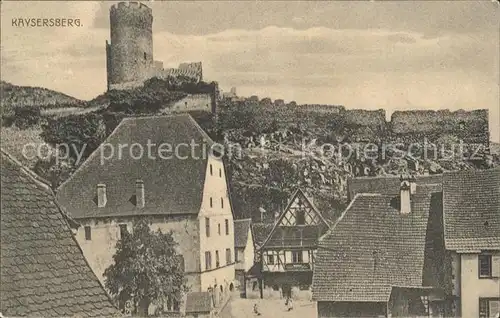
x,y
130,53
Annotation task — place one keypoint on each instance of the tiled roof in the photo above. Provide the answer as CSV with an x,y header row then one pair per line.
x,y
43,270
471,204
373,248
198,302
241,229
260,232
172,185
388,185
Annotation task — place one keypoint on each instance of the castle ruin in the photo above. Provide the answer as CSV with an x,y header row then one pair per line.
x,y
129,55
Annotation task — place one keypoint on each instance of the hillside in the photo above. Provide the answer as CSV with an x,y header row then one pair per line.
x,y
272,150
21,96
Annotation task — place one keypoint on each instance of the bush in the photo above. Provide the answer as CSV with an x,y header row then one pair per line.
x,y
81,133
26,117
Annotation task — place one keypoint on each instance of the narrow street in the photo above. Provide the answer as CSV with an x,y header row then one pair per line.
x,y
269,308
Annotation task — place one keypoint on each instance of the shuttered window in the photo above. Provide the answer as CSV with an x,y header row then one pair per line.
x,y
489,307
485,265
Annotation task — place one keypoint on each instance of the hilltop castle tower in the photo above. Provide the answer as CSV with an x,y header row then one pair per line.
x,y
129,56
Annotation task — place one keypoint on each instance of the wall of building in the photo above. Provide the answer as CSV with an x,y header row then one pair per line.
x,y
105,233
472,287
249,253
217,209
352,309
193,102
467,125
131,47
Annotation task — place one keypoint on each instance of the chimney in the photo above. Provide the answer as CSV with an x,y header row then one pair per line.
x,y
405,195
101,195
139,193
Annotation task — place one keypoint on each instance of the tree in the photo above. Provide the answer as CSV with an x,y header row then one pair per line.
x,y
147,269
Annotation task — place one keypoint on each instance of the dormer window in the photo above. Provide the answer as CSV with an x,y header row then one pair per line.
x,y
485,269
88,233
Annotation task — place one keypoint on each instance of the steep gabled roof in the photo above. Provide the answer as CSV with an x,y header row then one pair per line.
x,y
373,248
471,203
311,232
173,185
43,270
241,229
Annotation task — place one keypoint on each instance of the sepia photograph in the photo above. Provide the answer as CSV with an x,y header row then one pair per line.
x,y
250,158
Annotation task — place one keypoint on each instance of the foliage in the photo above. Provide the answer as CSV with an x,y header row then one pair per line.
x,y
54,169
146,268
82,134
26,117
144,100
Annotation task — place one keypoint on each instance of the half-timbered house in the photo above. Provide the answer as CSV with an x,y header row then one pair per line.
x,y
287,254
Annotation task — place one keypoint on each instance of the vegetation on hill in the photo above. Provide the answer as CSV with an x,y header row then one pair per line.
x,y
274,148
14,96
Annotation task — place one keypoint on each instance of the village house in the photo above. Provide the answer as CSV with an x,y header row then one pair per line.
x,y
182,188
425,246
383,257
43,270
287,255
471,204
244,252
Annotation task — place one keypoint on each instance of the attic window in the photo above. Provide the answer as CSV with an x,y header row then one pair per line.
x,y
88,233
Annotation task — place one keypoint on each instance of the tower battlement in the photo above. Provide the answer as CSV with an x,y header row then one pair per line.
x,y
132,6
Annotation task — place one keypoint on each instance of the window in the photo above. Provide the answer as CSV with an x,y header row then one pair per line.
x,y
220,170
88,234
123,230
208,260
236,256
207,226
227,226
297,257
489,307
145,56
211,202
270,259
217,259
485,266
218,228
211,172
222,203
301,217
228,256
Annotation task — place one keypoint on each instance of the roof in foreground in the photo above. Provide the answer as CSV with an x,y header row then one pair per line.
x,y
373,248
241,230
43,270
471,204
198,302
173,183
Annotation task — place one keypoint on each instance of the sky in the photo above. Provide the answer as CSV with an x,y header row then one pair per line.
x,y
396,55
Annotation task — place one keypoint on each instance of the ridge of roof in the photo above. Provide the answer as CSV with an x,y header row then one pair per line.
x,y
332,228
38,180
93,154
